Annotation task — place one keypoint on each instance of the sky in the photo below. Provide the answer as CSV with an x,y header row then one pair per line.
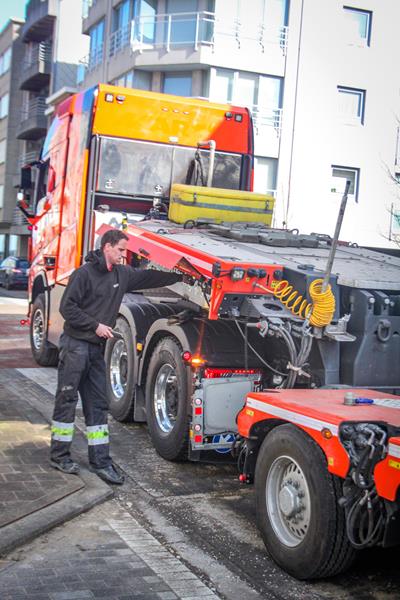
x,y
11,8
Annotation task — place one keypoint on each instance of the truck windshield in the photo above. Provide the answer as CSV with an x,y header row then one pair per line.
x,y
142,168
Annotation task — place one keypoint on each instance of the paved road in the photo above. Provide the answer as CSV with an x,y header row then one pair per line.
x,y
201,514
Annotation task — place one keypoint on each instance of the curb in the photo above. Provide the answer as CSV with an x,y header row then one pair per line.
x,y
26,529
35,524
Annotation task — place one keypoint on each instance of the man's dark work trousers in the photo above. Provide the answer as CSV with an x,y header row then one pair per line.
x,y
81,369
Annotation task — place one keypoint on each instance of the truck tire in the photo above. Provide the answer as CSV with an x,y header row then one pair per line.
x,y
168,401
43,352
297,508
120,384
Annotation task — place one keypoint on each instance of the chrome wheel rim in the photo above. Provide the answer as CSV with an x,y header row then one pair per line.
x,y
119,369
288,501
165,400
38,329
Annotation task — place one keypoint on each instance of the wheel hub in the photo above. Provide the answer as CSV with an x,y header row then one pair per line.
x,y
118,369
288,501
165,400
37,329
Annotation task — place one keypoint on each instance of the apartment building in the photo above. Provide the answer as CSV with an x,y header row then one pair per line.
x,y
10,59
315,75
51,43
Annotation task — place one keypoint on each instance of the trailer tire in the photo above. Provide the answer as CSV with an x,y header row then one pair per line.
x,y
168,401
43,352
120,383
301,522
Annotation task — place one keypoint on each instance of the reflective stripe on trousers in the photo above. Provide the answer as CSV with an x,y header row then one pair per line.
x,y
62,432
97,434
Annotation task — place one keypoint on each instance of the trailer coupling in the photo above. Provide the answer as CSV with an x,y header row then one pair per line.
x,y
370,519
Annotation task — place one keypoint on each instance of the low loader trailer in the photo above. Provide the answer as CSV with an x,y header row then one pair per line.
x,y
280,348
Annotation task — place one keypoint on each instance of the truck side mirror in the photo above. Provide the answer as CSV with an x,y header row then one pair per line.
x,y
26,178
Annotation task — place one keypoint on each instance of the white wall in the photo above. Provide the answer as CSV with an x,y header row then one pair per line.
x,y
315,136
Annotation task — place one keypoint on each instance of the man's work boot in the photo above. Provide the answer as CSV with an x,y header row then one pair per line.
x,y
109,474
66,466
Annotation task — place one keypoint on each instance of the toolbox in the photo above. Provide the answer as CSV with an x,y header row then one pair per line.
x,y
191,202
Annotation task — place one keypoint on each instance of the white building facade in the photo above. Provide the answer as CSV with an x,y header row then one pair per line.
x,y
315,74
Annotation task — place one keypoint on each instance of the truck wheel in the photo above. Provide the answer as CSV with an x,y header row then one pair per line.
x,y
297,508
119,359
43,352
167,401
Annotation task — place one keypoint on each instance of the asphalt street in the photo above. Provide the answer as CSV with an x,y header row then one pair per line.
x,y
198,513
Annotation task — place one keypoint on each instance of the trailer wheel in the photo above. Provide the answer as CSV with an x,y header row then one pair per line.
x,y
167,401
297,508
43,352
119,359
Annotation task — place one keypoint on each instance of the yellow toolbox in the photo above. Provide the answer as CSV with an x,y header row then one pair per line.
x,y
191,202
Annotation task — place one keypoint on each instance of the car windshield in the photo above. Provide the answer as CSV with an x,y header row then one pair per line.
x,y
143,168
22,264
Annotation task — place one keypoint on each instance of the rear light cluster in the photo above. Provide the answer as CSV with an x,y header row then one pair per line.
x,y
194,361
211,373
197,427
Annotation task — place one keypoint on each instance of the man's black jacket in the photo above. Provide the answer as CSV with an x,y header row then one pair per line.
x,y
94,294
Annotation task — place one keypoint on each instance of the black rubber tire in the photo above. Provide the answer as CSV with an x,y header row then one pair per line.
x,y
121,408
325,550
172,445
45,354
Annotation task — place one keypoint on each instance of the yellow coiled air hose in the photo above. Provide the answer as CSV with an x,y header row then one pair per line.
x,y
320,311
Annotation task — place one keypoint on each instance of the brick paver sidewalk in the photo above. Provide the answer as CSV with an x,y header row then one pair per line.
x,y
27,481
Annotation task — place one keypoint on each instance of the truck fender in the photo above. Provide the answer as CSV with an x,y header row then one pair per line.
x,y
40,286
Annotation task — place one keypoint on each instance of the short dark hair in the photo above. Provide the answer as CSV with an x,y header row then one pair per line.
x,y
112,236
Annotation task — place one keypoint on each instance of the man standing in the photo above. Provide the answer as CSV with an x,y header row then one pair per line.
x,y
90,307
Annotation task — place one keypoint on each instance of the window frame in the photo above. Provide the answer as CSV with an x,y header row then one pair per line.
x,y
343,89
353,9
356,171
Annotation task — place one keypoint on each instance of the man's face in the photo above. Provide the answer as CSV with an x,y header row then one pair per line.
x,y
114,255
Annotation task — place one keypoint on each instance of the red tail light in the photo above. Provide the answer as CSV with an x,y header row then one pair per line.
x,y
211,373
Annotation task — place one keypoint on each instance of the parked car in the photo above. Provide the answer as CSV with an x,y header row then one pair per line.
x,y
14,272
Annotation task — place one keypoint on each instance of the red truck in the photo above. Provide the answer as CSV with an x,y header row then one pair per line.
x,y
267,354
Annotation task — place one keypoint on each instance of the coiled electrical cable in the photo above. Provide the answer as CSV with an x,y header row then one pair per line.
x,y
319,312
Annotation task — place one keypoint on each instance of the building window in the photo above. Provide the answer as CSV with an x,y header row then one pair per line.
x,y
339,177
96,34
179,84
1,195
2,151
262,94
13,245
265,174
4,106
351,103
5,61
140,80
359,25
122,15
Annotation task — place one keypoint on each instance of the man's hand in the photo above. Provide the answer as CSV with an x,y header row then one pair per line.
x,y
104,331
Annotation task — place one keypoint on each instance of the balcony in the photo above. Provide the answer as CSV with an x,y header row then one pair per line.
x,y
89,63
33,121
36,67
194,29
40,15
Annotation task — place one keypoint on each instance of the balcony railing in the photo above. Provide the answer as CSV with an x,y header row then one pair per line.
x,y
34,108
86,6
36,67
266,117
27,158
42,52
89,62
33,121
